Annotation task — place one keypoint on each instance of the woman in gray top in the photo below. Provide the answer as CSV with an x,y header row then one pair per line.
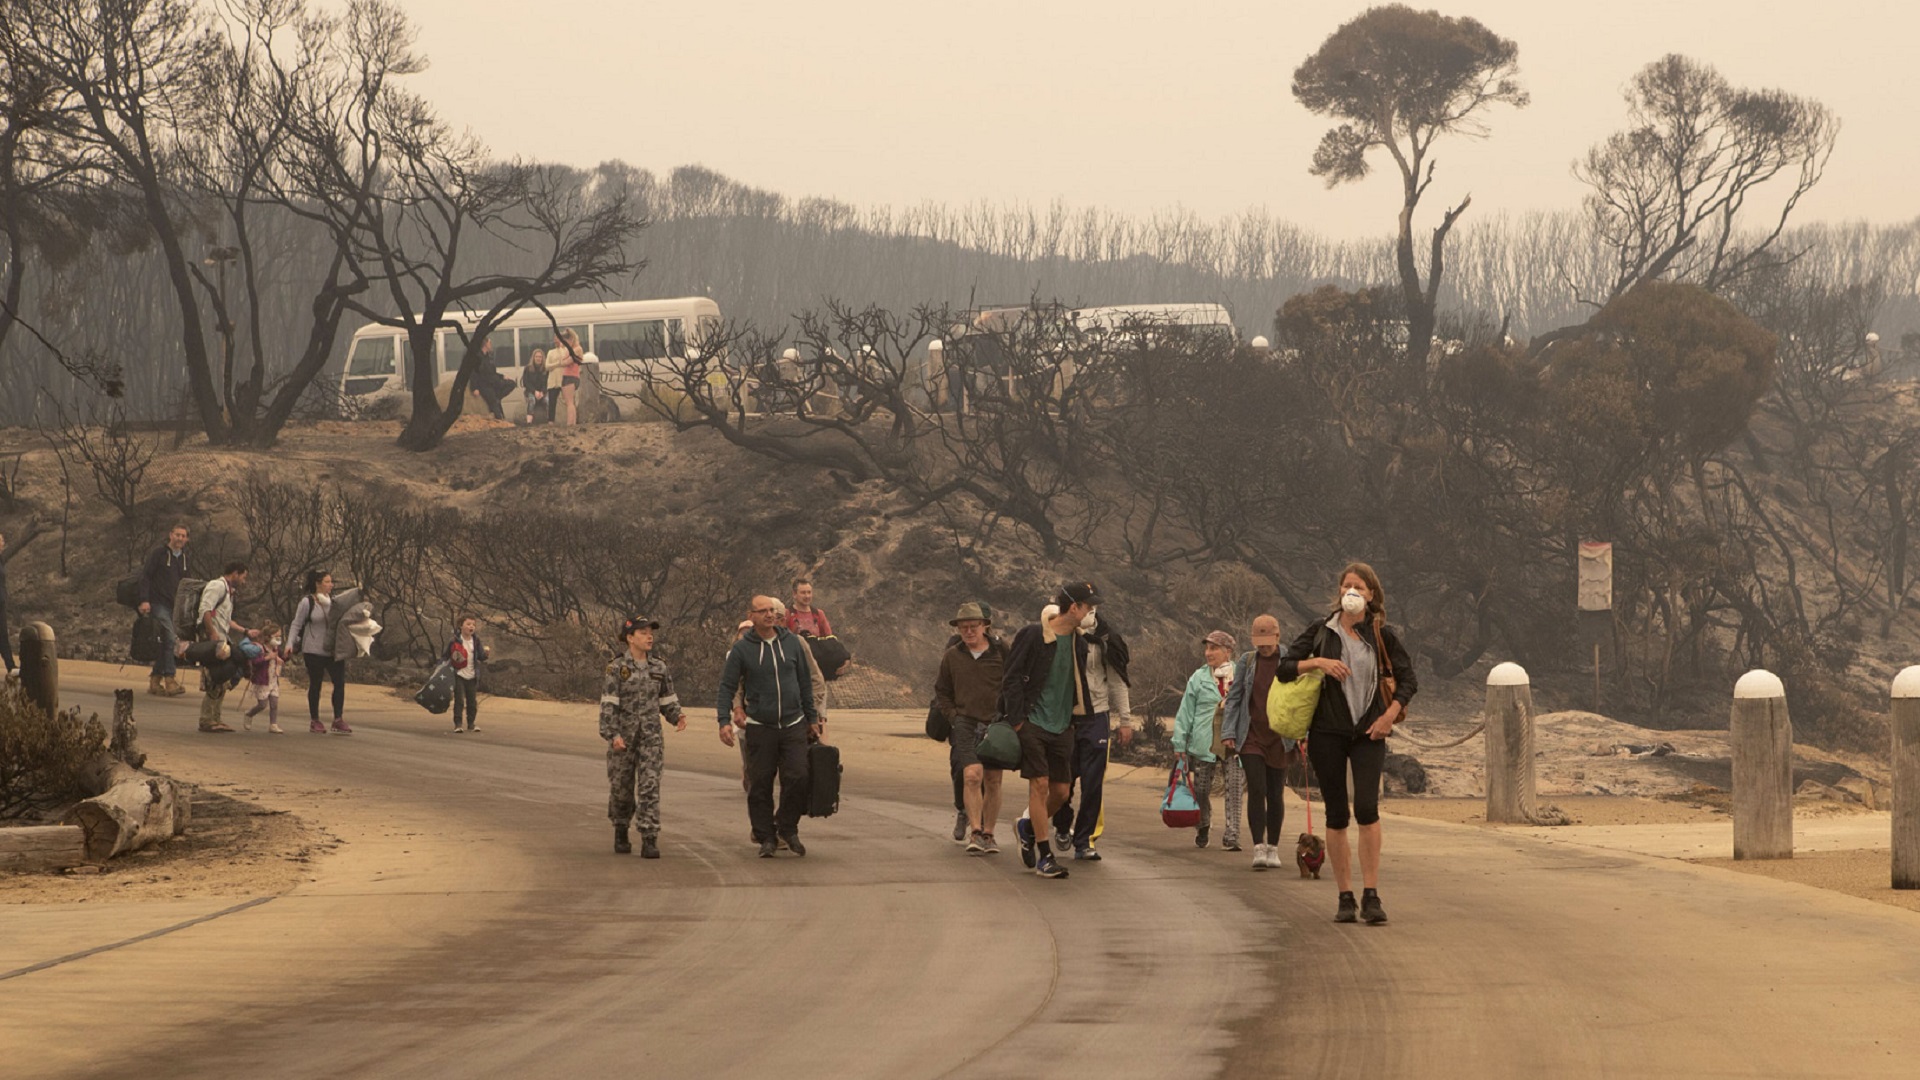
x,y
309,634
1370,680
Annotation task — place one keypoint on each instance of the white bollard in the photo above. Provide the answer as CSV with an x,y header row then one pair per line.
x,y
1906,779
1509,745
1762,740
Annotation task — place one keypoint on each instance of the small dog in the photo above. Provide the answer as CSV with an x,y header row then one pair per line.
x,y
1309,854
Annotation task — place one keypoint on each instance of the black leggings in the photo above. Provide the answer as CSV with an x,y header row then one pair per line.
x,y
1330,755
1266,797
318,668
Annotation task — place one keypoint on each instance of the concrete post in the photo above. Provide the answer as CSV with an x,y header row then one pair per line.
x,y
1762,740
1509,745
1906,779
40,666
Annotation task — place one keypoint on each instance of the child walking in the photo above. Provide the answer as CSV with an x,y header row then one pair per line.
x,y
263,677
466,653
635,699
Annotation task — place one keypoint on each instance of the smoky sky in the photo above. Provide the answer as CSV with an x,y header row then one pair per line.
x,y
1122,104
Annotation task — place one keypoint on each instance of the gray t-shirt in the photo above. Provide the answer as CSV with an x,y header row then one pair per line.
x,y
1358,653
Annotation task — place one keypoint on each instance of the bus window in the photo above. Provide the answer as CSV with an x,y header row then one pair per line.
x,y
643,340
502,341
371,356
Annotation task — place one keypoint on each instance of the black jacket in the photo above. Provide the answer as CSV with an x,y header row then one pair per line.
x,y
160,576
1332,714
1029,663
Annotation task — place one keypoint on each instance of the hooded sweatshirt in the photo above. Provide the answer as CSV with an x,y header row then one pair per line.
x,y
778,688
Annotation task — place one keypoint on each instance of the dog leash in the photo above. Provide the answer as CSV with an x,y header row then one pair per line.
x,y
1306,789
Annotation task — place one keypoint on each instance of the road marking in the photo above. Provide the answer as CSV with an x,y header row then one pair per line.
x,y
163,931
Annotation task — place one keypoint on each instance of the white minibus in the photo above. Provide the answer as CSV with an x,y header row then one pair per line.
x,y
628,338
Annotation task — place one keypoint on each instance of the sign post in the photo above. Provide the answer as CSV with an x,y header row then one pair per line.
x,y
1596,599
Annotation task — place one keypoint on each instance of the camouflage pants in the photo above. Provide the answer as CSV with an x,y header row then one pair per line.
x,y
633,782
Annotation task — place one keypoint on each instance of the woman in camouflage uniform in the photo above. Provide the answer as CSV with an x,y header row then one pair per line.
x,y
637,693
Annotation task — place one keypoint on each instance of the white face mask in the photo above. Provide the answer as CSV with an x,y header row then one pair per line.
x,y
275,642
1088,622
1224,670
1352,602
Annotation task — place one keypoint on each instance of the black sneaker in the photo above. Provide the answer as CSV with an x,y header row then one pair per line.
x,y
792,840
1200,838
621,845
1349,911
1370,909
1023,830
1050,867
649,847
766,849
959,826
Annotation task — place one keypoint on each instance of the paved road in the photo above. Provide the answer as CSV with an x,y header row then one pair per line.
x,y
476,924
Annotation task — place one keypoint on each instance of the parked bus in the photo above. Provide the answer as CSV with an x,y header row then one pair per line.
x,y
629,339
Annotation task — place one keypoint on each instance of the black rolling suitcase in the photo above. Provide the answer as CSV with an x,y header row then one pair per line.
x,y
823,780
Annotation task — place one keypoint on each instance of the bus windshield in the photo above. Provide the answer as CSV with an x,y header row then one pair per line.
x,y
371,356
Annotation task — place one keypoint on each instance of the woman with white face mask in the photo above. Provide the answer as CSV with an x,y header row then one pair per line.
x,y
1368,681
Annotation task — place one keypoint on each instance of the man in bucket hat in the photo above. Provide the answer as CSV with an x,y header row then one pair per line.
x,y
967,690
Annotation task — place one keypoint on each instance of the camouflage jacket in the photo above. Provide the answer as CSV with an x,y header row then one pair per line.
x,y
635,693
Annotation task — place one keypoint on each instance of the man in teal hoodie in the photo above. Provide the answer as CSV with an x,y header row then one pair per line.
x,y
769,667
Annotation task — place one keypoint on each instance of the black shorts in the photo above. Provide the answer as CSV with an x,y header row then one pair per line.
x,y
1045,754
569,380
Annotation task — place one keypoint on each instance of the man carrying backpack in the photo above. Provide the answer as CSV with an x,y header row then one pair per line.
x,y
215,623
159,577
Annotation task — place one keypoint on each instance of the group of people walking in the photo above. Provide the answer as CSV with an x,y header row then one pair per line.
x,y
770,704
1062,684
230,654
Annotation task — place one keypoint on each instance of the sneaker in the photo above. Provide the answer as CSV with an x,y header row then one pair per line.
x,y
992,845
792,841
471,729
340,726
1023,831
621,844
1062,841
1085,854
766,849
1259,856
959,826
649,848
317,728
1370,910
246,721
1050,867
1200,837
457,729
275,729
976,844
1348,911
216,726
1229,844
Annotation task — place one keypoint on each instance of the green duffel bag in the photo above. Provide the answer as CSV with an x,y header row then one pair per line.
x,y
999,746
